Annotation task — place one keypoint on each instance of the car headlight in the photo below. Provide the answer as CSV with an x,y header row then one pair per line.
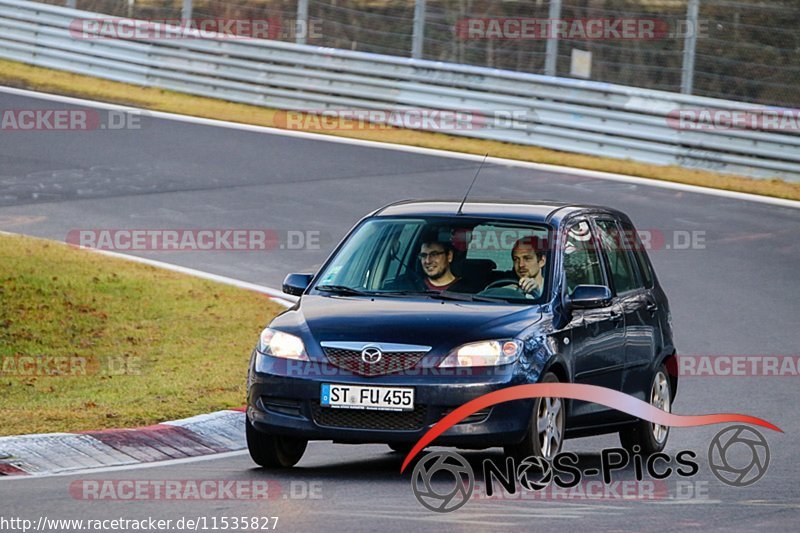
x,y
483,353
280,344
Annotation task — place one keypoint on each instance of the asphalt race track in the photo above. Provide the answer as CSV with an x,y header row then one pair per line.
x,y
733,294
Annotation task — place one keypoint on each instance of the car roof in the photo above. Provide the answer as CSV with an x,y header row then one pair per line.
x,y
544,211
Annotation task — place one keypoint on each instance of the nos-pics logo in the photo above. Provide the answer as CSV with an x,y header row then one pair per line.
x,y
444,481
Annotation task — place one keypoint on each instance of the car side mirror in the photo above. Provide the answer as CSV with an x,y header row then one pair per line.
x,y
589,297
296,284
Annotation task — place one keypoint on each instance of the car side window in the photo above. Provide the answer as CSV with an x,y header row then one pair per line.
x,y
581,260
619,260
635,244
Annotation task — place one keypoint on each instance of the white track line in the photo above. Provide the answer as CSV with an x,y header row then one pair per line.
x,y
274,294
412,149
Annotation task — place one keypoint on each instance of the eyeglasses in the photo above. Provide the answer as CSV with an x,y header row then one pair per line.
x,y
433,255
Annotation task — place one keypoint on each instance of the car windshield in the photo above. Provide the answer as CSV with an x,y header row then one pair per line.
x,y
445,258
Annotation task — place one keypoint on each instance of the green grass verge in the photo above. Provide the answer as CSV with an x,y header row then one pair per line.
x,y
88,341
53,81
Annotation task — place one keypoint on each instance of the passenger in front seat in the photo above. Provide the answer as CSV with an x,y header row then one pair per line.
x,y
436,258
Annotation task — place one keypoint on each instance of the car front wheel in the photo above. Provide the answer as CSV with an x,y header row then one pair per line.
x,y
649,436
273,451
546,432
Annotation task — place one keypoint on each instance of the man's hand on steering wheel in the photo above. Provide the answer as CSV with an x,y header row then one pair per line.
x,y
528,285
524,285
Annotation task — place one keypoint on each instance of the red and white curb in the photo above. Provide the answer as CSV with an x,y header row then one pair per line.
x,y
58,453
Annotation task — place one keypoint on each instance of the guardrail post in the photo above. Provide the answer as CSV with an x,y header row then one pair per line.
x,y
72,4
551,52
301,24
186,10
689,45
418,37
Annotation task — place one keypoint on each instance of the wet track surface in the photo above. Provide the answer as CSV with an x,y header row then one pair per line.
x,y
736,294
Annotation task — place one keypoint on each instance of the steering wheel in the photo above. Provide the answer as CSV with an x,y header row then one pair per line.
x,y
505,282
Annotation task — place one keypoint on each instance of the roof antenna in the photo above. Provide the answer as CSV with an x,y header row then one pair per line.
x,y
471,184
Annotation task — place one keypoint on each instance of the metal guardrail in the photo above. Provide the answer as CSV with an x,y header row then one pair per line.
x,y
557,113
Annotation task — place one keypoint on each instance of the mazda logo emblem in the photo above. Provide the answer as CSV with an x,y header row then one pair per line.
x,y
371,354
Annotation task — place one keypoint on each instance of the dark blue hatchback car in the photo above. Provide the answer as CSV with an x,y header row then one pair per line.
x,y
426,305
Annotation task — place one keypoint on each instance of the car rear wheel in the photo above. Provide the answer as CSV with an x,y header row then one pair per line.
x,y
546,432
273,451
648,436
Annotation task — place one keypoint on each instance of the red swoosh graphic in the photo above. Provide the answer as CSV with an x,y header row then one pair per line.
x,y
588,393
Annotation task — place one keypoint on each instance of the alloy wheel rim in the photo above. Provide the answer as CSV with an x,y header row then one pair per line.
x,y
550,426
660,397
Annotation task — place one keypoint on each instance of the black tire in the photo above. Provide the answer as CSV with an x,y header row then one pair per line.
x,y
273,451
533,443
651,438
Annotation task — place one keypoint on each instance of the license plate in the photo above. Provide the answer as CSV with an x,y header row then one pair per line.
x,y
372,398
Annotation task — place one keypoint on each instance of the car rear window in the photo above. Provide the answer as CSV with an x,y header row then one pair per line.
x,y
617,250
635,243
581,259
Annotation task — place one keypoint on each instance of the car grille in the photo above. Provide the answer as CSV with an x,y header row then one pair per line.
x,y
367,419
391,362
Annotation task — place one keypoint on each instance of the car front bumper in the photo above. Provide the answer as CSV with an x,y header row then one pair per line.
x,y
287,403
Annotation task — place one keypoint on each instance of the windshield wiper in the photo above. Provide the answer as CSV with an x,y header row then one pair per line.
x,y
343,289
445,295
436,295
464,297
